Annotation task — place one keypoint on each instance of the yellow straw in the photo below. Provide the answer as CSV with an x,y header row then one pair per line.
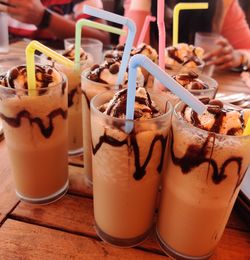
x,y
30,60
247,128
177,9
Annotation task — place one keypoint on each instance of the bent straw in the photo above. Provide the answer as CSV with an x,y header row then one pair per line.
x,y
130,38
162,32
144,30
247,128
78,35
30,60
164,78
183,6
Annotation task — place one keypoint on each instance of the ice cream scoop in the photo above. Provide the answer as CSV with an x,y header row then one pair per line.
x,y
107,73
184,54
16,78
145,108
218,118
190,81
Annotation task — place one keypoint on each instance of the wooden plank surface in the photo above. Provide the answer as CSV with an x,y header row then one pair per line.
x,y
230,83
8,197
71,213
75,214
19,240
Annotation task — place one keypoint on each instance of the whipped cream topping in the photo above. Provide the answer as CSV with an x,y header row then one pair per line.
x,y
218,118
190,81
144,106
146,50
16,78
70,54
184,54
106,73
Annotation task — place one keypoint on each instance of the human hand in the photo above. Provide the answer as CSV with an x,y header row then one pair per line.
x,y
30,11
224,57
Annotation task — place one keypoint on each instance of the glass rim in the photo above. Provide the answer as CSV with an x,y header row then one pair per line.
x,y
124,120
92,41
84,76
28,91
182,121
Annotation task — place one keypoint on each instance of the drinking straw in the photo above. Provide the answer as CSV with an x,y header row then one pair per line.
x,y
164,78
247,128
183,6
78,35
144,30
162,32
30,60
115,18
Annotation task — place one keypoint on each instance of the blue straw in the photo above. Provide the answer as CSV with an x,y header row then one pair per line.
x,y
164,78
108,16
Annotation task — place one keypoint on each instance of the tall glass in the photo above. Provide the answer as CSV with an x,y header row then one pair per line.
x,y
35,129
75,129
126,172
208,42
201,184
89,45
89,90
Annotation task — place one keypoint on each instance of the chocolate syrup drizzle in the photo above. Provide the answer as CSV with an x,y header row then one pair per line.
x,y
46,131
172,53
95,71
71,95
131,142
119,105
44,81
218,116
196,155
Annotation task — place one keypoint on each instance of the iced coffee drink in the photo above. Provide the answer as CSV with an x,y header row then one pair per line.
x,y
200,86
127,167
144,49
183,58
208,158
75,138
35,128
96,80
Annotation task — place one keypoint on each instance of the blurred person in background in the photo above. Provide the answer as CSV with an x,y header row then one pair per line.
x,y
50,19
225,17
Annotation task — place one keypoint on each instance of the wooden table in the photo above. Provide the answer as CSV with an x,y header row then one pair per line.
x,y
64,229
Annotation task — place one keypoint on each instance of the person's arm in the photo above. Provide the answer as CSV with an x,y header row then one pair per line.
x,y
32,12
235,28
235,46
137,10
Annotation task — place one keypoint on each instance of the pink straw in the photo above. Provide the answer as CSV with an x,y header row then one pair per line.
x,y
144,30
162,32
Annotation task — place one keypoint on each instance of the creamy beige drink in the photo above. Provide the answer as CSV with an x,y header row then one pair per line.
x,y
127,166
75,136
144,49
207,162
96,80
35,128
183,58
199,85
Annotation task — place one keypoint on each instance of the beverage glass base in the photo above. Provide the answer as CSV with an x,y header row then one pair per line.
x,y
172,253
120,242
46,200
75,152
